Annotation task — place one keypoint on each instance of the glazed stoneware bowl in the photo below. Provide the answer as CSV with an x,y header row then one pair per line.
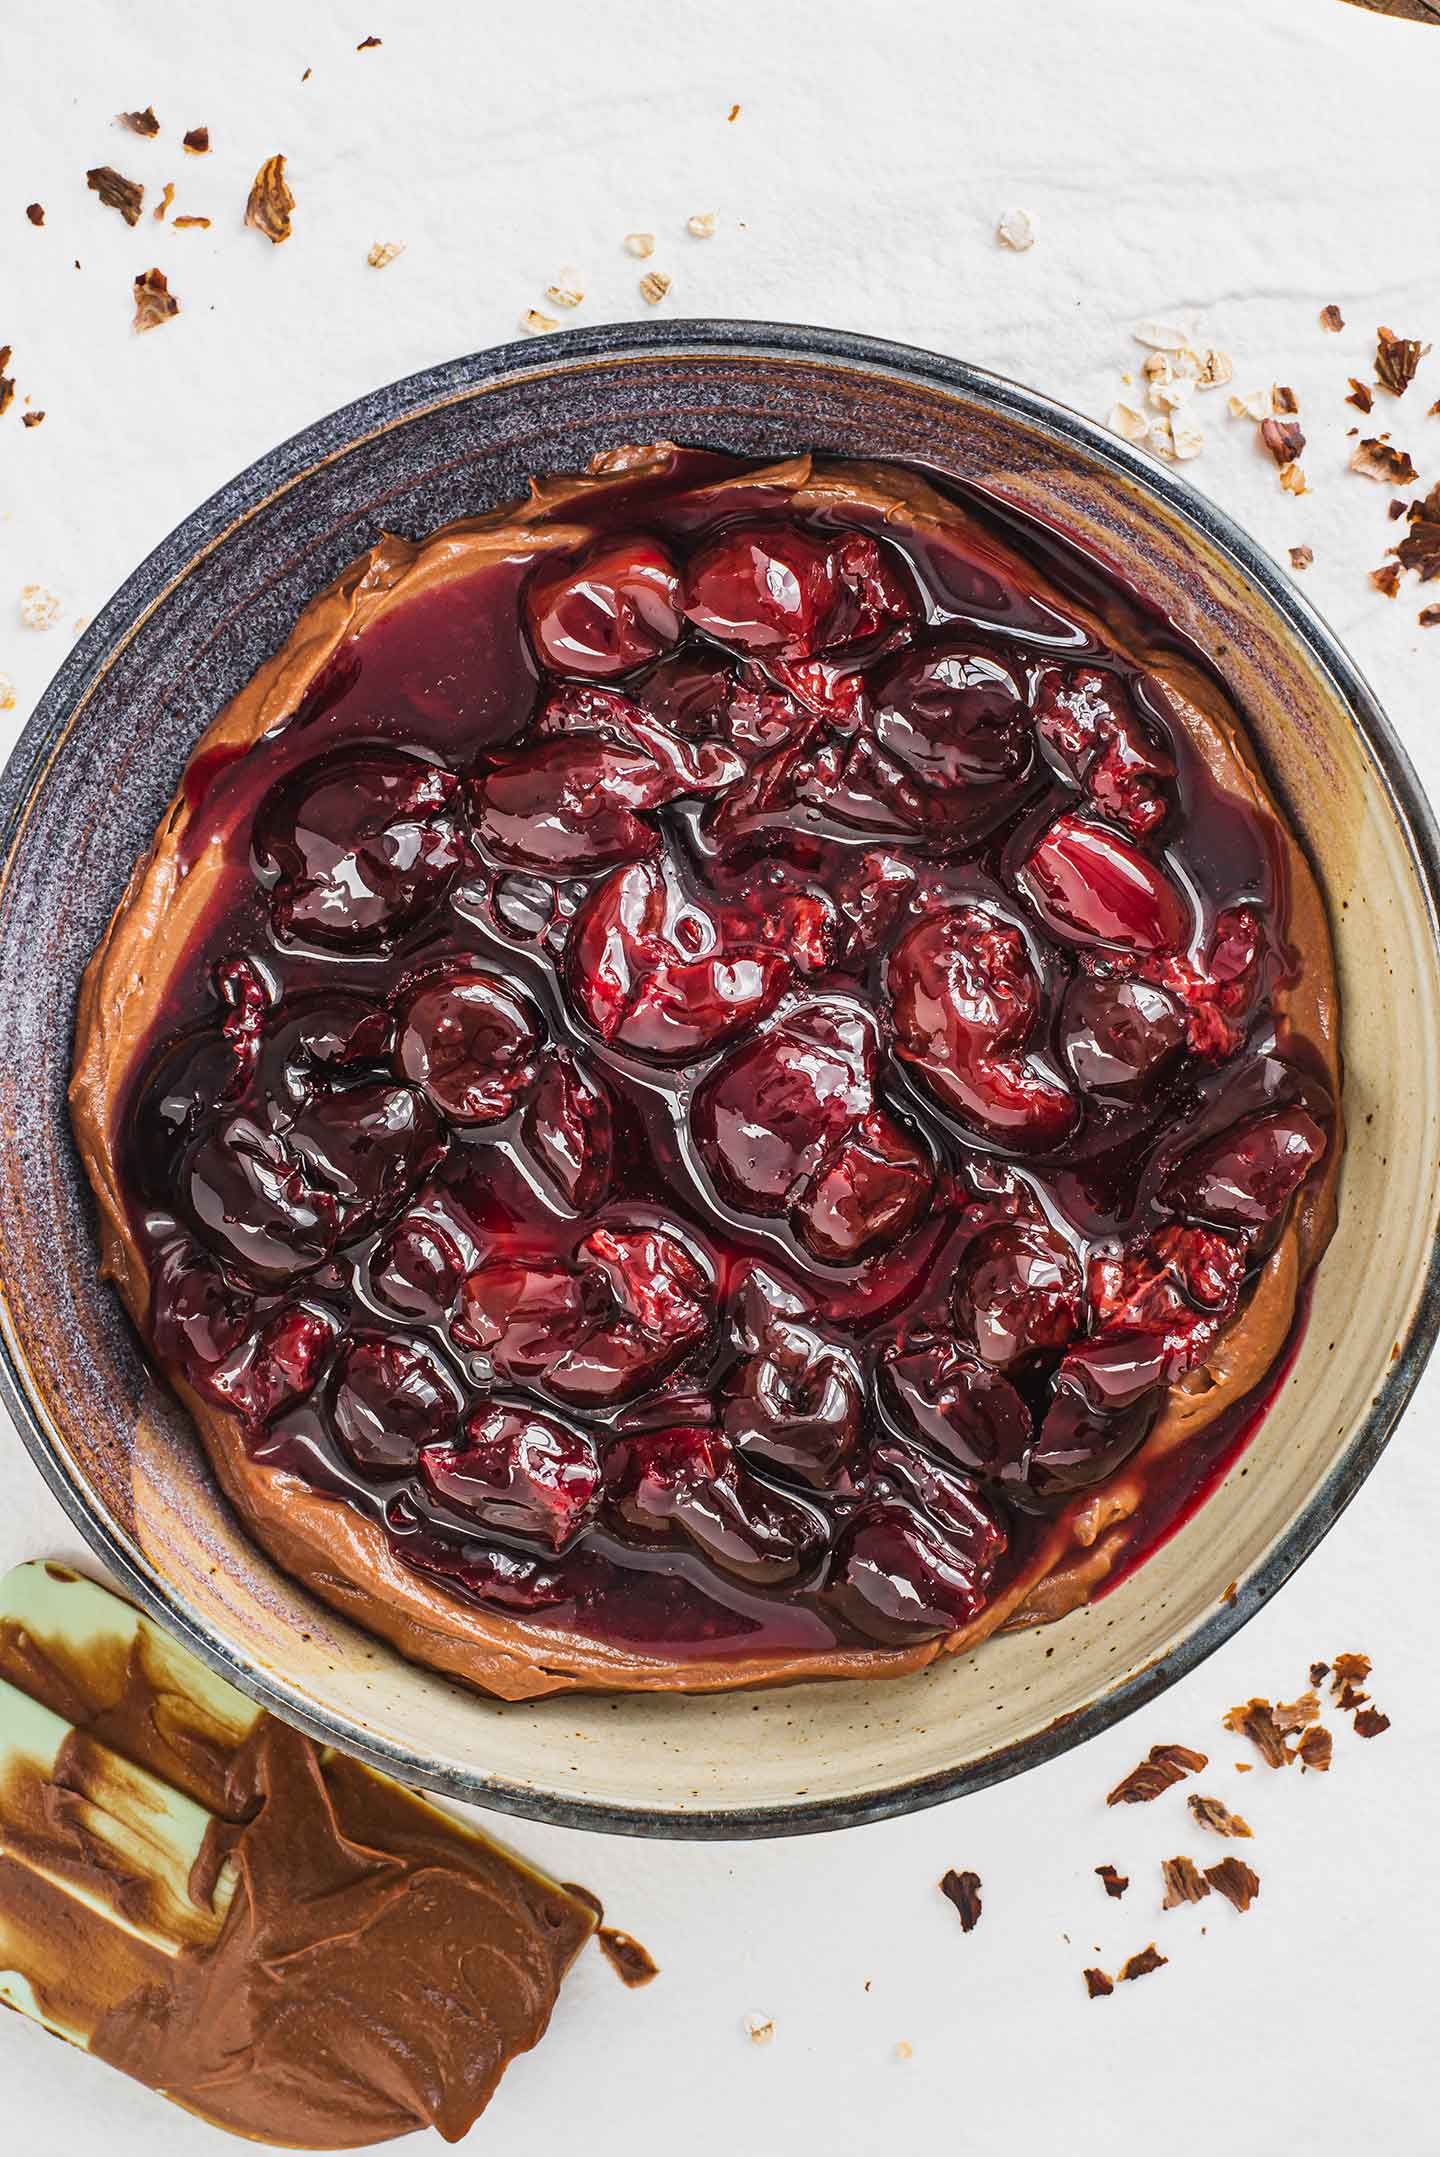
x,y
82,796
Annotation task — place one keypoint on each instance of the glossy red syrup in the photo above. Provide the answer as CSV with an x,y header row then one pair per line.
x,y
724,1079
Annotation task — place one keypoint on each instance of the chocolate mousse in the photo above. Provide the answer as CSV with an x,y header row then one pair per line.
x,y
728,1074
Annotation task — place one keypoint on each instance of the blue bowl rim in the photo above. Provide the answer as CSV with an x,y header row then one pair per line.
x,y
380,410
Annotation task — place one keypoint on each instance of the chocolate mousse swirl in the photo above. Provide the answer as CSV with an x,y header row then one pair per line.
x,y
726,1075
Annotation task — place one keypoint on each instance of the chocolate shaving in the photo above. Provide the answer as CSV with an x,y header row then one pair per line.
x,y
7,381
1370,1722
1349,1698
1398,507
186,224
166,198
139,123
963,1889
1386,579
1429,617
35,212
1115,1882
1209,1812
1318,1672
1256,1721
1360,396
1184,1882
733,113
1097,1984
1396,359
1331,318
1148,1959
1162,1766
1233,1879
1284,399
271,202
366,43
632,1963
1420,550
154,301
1301,557
1292,1715
1283,438
31,419
116,192
197,141
1351,1669
1375,458
1315,1748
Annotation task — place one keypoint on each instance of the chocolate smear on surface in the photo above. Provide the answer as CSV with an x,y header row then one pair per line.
x,y
1162,1766
1233,1879
1184,1882
154,301
963,1889
1148,1959
1115,1883
1209,1812
632,1963
116,192
1097,1984
1255,1720
271,202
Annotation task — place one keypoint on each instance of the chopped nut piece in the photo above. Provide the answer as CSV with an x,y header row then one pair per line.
x,y
632,1963
1161,336
1396,359
1148,1959
1315,1748
1126,421
1162,1766
1097,1984
567,290
1115,1882
187,224
759,2029
31,419
1016,230
39,609
640,244
1216,370
1377,459
35,212
1386,579
963,1889
154,301
1369,1723
1301,557
534,324
1331,318
1292,1715
1292,479
197,141
1184,1882
116,192
1209,1812
271,202
1256,1721
1361,396
702,225
384,252
1255,404
139,123
1187,437
7,694
1283,438
1233,1879
166,198
653,287
1284,399
1160,437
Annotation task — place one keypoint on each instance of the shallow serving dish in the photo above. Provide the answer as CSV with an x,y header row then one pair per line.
x,y
82,795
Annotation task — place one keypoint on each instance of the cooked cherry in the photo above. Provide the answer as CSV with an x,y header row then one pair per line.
x,y
316,1039
689,1479
1247,1176
568,806
952,716
1119,1036
938,1392
519,1473
1091,886
390,1397
416,1270
965,1000
1103,1400
799,1398
569,1130
765,589
251,1200
275,1366
1086,719
469,1042
614,610
653,970
670,721
362,844
371,1145
895,1575
198,1315
1018,1293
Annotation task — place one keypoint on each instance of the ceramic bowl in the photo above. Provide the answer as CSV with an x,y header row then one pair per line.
x,y
83,793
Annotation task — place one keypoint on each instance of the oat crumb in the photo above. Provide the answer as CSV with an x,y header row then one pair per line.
x,y
534,324
1016,230
759,2029
7,694
653,287
384,252
904,2050
702,225
39,609
1125,420
567,290
640,244
1162,336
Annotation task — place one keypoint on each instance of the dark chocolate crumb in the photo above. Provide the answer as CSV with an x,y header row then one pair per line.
x,y
1256,1721
1350,1697
7,381
1315,1748
1097,1984
1374,458
1319,1672
632,1963
116,192
1283,438
1398,507
1148,1959
1331,318
31,419
366,43
35,211
1420,548
197,141
1349,1670
1370,1722
1209,1812
1386,579
1429,617
1162,1766
1360,396
1115,1882
139,123
1184,1882
1233,1879
963,1889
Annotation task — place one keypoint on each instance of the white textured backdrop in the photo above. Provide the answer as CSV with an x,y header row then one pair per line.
x,y
1244,161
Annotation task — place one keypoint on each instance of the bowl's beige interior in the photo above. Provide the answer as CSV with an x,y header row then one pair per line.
x,y
811,1745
